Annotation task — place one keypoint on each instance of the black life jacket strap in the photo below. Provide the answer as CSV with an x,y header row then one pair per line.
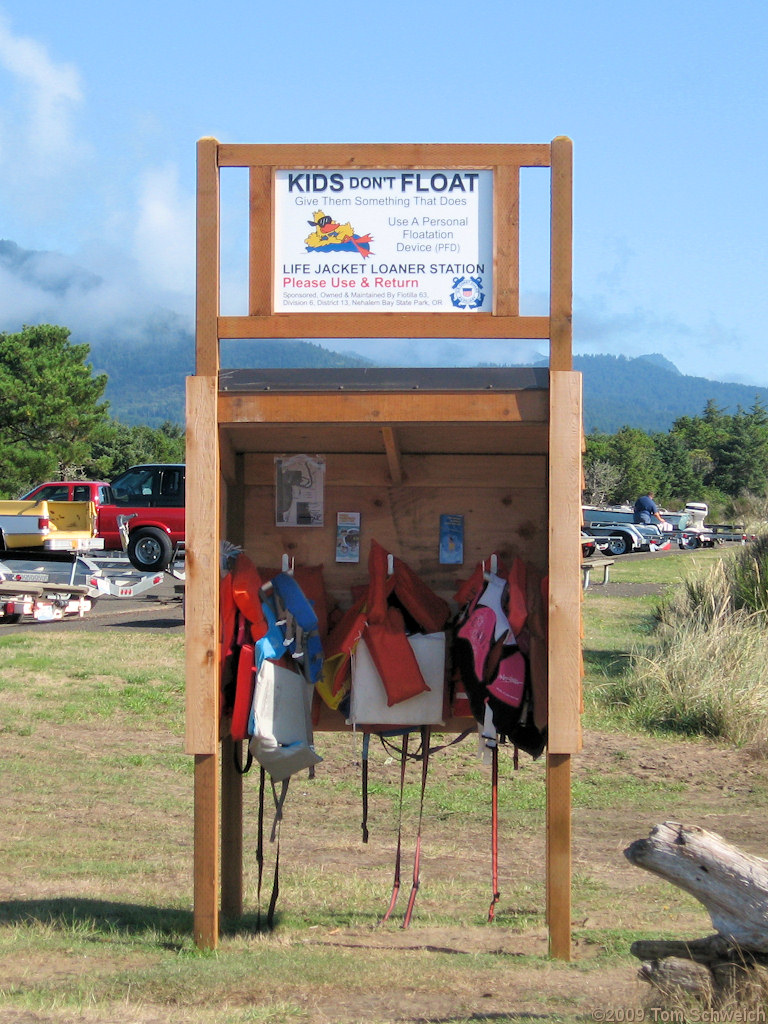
x,y
366,748
237,758
274,837
494,830
260,846
279,801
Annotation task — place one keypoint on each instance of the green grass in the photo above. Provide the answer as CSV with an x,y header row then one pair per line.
x,y
91,680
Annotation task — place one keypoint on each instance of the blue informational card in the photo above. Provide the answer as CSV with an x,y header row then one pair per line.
x,y
347,536
451,539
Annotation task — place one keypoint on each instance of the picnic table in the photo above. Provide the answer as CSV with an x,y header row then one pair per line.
x,y
595,563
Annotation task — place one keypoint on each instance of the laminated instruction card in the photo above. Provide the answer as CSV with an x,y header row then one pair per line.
x,y
299,490
347,536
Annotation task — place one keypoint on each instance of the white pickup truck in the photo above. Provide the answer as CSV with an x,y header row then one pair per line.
x,y
49,525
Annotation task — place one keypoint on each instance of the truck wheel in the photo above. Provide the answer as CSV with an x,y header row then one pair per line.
x,y
620,544
149,549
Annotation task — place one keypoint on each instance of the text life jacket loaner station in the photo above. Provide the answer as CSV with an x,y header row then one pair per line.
x,y
502,446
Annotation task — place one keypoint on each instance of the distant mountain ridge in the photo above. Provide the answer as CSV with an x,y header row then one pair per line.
x,y
146,381
645,393
148,356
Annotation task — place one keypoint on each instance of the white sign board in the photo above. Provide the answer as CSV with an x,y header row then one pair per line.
x,y
390,241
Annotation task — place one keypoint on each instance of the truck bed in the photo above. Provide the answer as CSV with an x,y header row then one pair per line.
x,y
50,525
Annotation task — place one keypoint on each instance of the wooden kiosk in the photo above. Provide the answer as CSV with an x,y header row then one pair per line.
x,y
500,446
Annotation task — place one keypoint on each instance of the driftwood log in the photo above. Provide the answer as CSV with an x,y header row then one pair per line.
x,y
733,886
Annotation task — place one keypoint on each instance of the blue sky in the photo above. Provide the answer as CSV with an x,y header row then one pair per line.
x,y
101,106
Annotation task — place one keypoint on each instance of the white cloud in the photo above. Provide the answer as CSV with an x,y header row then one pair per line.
x,y
114,304
164,235
43,158
58,191
51,96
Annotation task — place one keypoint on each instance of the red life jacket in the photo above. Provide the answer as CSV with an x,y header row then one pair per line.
x,y
246,584
429,610
342,640
385,635
245,683
242,622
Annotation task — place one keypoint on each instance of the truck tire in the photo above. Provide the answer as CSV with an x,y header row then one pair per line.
x,y
149,549
620,544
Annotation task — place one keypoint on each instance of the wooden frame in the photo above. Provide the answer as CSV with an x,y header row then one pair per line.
x,y
400,440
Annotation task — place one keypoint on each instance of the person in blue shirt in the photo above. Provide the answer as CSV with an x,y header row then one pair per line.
x,y
646,510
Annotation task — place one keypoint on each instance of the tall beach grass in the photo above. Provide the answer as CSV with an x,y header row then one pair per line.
x,y
705,671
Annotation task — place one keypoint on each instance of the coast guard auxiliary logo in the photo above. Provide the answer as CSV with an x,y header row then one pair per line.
x,y
330,236
467,292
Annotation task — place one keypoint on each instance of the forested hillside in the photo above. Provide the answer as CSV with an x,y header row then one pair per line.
x,y
146,380
54,422
715,457
650,393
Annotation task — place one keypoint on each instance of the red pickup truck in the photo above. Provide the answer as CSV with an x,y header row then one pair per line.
x,y
153,497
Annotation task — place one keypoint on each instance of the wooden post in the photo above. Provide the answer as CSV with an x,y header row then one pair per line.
x,y
202,568
206,852
506,202
201,597
564,730
558,858
561,257
260,242
201,601
208,250
564,671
